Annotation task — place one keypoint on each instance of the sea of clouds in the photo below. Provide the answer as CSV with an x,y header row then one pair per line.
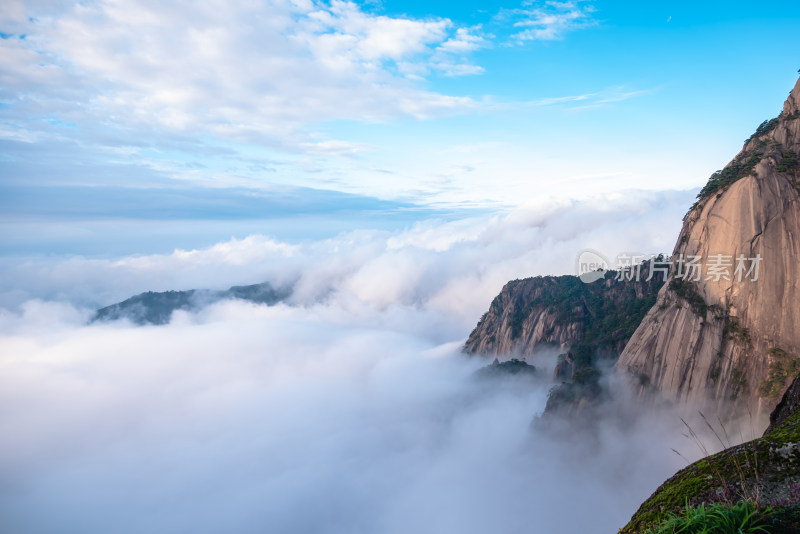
x,y
349,408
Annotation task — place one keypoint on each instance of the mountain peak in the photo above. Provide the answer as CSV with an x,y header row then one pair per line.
x,y
732,341
792,104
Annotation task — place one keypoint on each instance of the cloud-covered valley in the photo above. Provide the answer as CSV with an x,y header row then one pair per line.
x,y
249,419
348,408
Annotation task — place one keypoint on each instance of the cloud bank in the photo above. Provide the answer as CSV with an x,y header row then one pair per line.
x,y
290,419
347,409
242,71
455,266
230,94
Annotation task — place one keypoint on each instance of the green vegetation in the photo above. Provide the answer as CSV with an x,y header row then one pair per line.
x,y
744,164
739,383
789,163
743,472
785,519
156,308
740,167
608,310
733,330
686,290
148,308
763,129
742,517
783,368
585,385
514,366
518,317
586,377
600,316
480,321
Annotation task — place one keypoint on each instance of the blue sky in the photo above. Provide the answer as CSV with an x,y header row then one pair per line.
x,y
307,117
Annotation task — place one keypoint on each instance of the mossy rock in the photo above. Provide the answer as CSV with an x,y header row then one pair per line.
x,y
764,470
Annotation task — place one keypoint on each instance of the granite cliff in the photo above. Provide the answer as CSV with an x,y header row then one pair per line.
x,y
724,333
590,321
564,311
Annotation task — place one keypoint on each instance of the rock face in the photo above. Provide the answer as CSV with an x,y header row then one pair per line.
x,y
731,342
563,311
565,367
790,404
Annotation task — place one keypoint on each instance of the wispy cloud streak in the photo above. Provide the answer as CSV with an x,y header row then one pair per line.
x,y
551,20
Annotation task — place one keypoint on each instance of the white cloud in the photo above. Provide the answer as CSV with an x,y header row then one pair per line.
x,y
296,419
244,71
357,36
591,100
552,20
120,92
464,41
451,57
347,409
455,267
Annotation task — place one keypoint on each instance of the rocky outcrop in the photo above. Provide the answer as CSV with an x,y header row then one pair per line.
x,y
790,404
565,367
765,471
512,367
564,311
729,342
513,326
582,394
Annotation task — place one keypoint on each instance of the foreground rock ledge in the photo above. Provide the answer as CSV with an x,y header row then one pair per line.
x,y
765,470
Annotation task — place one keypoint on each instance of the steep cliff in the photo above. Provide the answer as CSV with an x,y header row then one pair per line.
x,y
731,342
564,311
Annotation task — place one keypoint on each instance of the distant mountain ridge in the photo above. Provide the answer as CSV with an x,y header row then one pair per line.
x,y
157,307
